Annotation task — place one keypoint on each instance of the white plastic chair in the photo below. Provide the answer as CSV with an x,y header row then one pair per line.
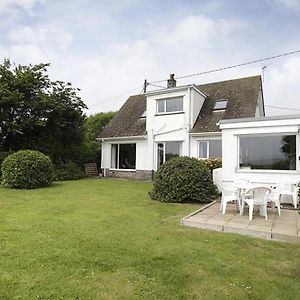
x,y
287,188
274,197
229,195
256,196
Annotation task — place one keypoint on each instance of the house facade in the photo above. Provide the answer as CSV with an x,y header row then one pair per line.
x,y
176,121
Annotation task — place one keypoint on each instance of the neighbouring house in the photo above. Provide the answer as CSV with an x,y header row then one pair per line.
x,y
179,120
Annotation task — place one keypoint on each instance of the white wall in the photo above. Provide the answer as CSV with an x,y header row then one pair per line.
x,y
230,148
162,128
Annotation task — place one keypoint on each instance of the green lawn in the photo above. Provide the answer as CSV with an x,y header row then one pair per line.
x,y
105,239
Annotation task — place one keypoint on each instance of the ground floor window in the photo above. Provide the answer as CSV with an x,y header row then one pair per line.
x,y
167,150
267,152
123,156
210,149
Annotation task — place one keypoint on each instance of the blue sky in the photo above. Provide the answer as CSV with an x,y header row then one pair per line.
x,y
107,48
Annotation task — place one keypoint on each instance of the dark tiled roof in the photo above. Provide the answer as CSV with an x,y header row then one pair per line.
x,y
127,121
241,94
242,97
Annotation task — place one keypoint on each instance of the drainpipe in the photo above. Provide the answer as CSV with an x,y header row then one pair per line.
x,y
104,169
189,121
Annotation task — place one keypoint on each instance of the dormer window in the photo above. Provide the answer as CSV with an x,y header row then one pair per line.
x,y
221,104
170,105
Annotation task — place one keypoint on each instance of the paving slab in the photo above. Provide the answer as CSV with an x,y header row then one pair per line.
x,y
285,227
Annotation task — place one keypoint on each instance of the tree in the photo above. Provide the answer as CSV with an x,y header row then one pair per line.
x,y
37,113
95,124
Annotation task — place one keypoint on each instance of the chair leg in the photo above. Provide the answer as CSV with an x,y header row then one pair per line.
x,y
224,207
250,211
278,207
242,208
265,211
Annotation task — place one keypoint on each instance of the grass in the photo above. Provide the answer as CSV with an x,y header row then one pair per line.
x,y
105,239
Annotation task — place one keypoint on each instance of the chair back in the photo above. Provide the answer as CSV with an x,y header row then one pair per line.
x,y
259,194
285,187
241,183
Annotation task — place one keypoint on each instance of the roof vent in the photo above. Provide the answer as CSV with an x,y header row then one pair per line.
x,y
171,81
221,104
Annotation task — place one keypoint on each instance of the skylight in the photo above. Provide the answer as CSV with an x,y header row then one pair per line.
x,y
221,104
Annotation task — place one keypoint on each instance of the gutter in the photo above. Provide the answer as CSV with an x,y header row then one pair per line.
x,y
133,137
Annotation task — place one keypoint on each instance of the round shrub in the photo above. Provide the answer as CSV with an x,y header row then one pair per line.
x,y
27,169
183,179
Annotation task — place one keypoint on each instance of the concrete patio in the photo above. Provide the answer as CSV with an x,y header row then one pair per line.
x,y
284,228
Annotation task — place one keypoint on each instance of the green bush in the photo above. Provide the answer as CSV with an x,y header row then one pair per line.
x,y
183,179
213,163
27,169
68,171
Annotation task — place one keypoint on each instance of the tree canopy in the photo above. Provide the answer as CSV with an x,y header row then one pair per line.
x,y
94,124
37,113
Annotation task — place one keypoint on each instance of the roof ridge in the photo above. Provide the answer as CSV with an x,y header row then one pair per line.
x,y
228,80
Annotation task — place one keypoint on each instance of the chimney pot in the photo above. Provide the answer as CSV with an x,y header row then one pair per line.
x,y
171,81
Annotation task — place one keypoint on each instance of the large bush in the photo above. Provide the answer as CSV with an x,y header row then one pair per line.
x,y
68,171
27,169
183,179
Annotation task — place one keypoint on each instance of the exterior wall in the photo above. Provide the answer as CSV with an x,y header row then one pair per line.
x,y
160,128
230,148
135,174
260,112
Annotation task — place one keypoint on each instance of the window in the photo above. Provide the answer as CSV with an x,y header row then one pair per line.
x,y
166,151
123,156
267,152
221,104
210,149
170,105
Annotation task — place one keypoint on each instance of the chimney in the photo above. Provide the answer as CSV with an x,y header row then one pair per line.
x,y
171,81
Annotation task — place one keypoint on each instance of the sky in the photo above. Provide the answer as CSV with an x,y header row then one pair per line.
x,y
108,47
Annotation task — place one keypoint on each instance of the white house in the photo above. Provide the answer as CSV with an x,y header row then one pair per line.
x,y
151,128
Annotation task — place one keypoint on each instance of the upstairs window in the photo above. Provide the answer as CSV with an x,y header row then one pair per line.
x,y
221,104
170,105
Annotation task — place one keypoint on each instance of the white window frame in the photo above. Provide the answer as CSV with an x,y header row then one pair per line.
x,y
165,112
242,170
207,141
164,150
118,158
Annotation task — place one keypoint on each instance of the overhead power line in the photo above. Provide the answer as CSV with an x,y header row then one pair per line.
x,y
232,66
153,83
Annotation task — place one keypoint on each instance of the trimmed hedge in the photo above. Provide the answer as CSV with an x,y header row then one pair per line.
x,y
27,169
183,179
68,171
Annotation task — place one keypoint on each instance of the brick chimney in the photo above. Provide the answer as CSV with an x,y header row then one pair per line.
x,y
171,81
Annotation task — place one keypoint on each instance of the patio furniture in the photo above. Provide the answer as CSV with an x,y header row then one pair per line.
x,y
274,197
289,189
256,196
229,195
